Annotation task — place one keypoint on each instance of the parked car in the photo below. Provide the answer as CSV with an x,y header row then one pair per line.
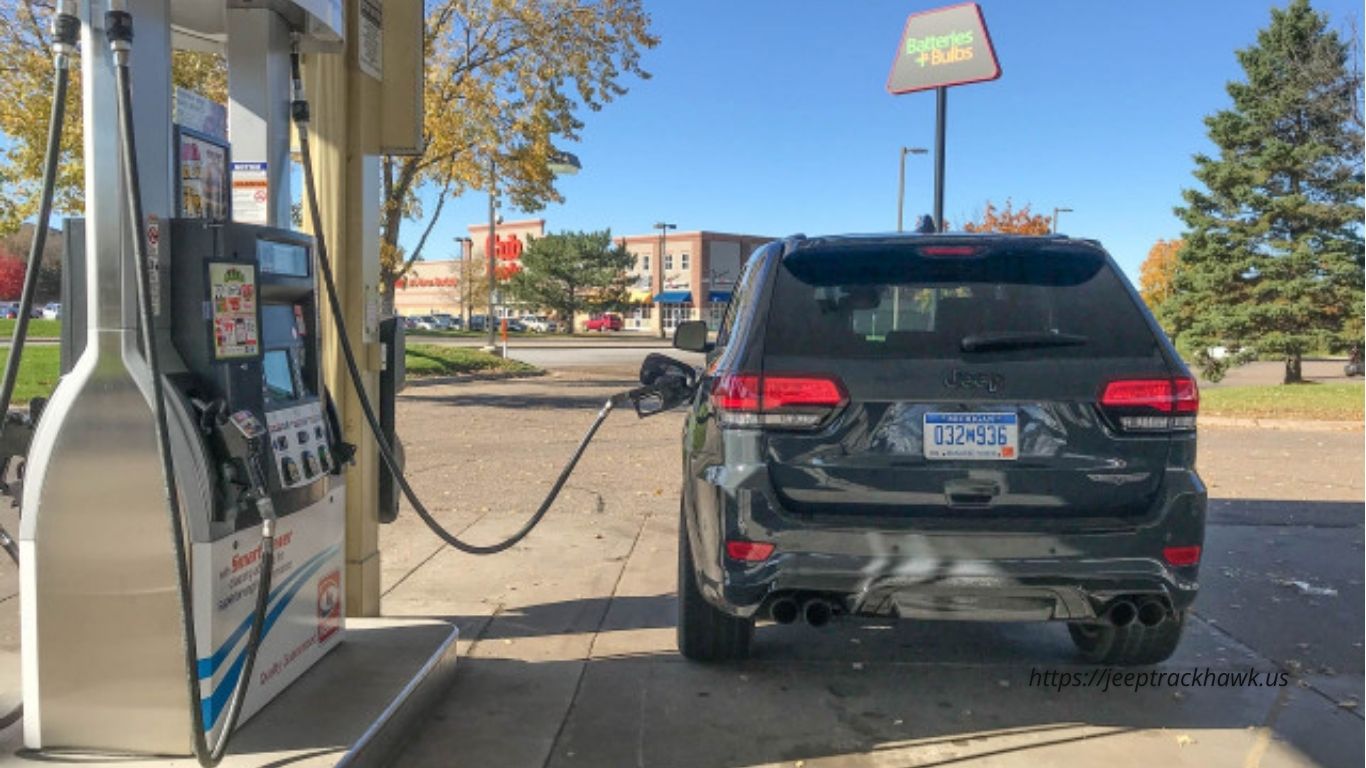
x,y
445,322
939,427
9,310
409,323
52,311
604,322
478,322
538,323
424,323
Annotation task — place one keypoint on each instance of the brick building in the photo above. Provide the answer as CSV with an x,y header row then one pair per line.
x,y
691,278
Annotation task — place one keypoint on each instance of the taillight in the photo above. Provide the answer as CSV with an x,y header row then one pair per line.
x,y
797,401
748,551
1152,405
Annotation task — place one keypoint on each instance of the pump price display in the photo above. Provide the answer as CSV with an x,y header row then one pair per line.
x,y
235,333
944,47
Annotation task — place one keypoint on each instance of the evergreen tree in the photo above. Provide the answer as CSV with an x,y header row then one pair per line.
x,y
573,272
1273,256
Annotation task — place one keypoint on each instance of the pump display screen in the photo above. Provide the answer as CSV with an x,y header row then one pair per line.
x,y
289,259
279,375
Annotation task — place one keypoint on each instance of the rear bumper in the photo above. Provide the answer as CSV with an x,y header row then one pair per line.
x,y
898,569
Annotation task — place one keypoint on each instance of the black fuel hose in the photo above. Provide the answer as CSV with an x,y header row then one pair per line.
x,y
119,30
66,29
300,113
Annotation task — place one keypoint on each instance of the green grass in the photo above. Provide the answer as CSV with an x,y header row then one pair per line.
x,y
38,372
431,360
41,366
1316,402
37,329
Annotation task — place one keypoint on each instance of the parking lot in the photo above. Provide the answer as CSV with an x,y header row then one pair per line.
x,y
568,654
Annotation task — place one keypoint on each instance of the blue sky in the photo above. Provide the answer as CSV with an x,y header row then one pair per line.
x,y
772,118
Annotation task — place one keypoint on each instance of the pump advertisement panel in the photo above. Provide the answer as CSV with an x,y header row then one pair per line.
x,y
941,48
303,617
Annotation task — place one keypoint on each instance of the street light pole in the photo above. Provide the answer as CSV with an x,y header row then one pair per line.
x,y
466,274
491,246
901,183
663,249
1057,211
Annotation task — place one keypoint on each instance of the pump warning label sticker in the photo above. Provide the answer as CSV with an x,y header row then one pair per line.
x,y
235,333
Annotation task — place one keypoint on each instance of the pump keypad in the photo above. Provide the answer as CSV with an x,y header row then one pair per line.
x,y
301,458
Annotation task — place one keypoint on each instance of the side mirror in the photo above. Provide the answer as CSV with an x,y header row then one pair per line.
x,y
691,336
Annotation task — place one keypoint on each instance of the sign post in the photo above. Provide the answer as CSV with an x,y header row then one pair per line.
x,y
940,49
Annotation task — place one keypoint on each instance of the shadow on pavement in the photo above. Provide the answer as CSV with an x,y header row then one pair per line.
x,y
904,693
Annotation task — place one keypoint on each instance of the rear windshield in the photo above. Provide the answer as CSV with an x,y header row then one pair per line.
x,y
895,303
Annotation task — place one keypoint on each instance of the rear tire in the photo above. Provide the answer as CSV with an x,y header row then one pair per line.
x,y
705,633
1133,645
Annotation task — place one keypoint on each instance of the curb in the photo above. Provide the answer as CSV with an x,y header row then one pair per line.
x,y
460,378
1298,425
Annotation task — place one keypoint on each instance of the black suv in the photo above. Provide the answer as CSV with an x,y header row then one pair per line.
x,y
949,426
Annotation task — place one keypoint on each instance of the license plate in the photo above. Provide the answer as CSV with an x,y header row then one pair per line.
x,y
972,436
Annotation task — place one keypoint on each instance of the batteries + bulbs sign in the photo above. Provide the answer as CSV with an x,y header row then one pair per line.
x,y
943,47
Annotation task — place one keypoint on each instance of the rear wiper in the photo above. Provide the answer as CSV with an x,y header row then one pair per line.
x,y
985,342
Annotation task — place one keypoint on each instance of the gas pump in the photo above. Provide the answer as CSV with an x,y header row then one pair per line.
x,y
182,525
199,339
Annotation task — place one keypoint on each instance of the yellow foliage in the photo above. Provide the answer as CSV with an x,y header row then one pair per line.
x,y
504,81
26,106
1157,272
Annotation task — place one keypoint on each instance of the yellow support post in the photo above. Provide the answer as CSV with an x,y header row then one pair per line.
x,y
348,135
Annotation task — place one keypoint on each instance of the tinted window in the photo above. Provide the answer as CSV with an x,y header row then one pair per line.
x,y
743,288
892,302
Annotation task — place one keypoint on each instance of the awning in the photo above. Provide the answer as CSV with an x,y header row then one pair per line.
x,y
674,297
718,297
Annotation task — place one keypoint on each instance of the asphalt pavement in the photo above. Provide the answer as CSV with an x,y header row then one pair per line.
x,y
568,655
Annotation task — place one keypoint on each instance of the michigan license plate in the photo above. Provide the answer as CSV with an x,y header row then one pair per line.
x,y
972,436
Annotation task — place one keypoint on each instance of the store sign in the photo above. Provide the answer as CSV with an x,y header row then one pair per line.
x,y
427,282
508,248
941,48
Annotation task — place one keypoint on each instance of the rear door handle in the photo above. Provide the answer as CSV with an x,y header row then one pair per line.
x,y
971,492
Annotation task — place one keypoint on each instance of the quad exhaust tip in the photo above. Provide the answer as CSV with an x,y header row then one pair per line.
x,y
1121,613
1152,612
817,612
784,610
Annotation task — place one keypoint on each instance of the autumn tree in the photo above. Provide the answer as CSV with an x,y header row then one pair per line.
x,y
573,272
1273,252
471,285
26,104
1009,220
11,277
1156,273
504,81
